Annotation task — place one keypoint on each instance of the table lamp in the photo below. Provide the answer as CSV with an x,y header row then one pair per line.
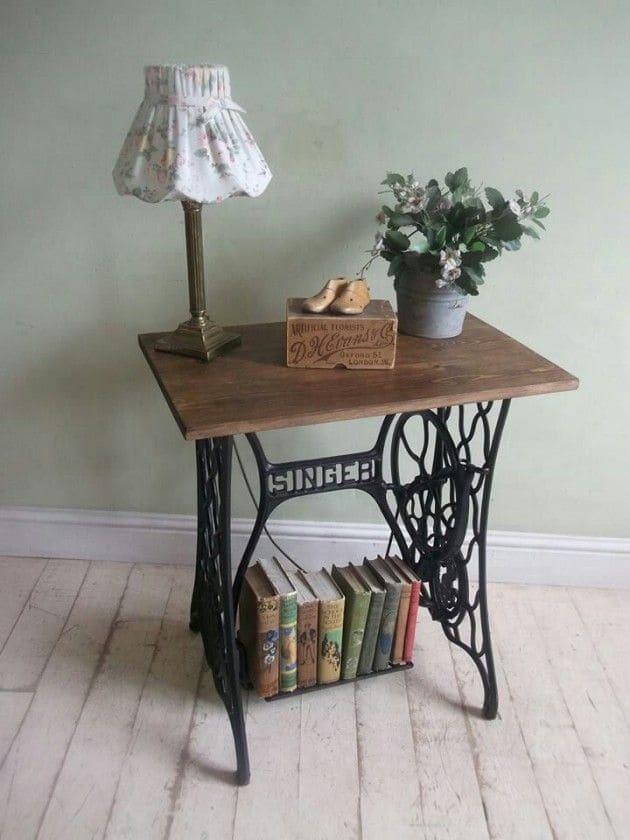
x,y
189,143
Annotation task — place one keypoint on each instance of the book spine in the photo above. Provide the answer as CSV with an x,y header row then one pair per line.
x,y
330,640
412,620
386,630
353,632
265,665
370,637
288,642
401,625
307,644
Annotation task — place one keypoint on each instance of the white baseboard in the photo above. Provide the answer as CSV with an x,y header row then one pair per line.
x,y
159,538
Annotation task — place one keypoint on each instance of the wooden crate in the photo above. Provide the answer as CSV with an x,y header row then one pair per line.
x,y
365,341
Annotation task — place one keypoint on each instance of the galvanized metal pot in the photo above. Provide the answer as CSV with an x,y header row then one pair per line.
x,y
426,311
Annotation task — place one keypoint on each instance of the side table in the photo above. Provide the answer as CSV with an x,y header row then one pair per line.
x,y
430,470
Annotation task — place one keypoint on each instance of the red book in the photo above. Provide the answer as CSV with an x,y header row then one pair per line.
x,y
412,620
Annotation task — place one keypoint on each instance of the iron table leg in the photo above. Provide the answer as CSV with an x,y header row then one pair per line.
x,y
212,609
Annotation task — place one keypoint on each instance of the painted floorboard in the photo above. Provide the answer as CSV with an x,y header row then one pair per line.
x,y
121,733
328,776
267,808
81,800
18,576
451,800
143,801
391,804
28,775
504,767
557,756
595,714
36,631
205,793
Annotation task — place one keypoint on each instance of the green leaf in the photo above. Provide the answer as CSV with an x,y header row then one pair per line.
x,y
440,237
535,197
512,245
528,231
420,244
432,183
538,223
495,199
466,282
489,254
395,265
477,246
397,240
460,178
388,211
402,219
393,178
476,273
541,212
506,227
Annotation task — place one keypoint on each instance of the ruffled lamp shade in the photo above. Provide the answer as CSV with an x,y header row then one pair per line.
x,y
188,140
188,143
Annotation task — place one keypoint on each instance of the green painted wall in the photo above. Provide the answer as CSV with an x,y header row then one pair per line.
x,y
528,94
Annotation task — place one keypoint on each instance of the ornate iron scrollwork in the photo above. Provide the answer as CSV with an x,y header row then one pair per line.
x,y
440,493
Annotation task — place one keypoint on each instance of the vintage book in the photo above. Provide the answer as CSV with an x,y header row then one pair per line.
x,y
398,645
373,622
393,587
325,340
288,622
330,628
414,603
259,627
354,619
307,619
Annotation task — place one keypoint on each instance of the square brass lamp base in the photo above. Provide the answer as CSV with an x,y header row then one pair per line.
x,y
201,341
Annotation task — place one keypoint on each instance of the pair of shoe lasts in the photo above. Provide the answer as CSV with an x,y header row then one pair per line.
x,y
342,296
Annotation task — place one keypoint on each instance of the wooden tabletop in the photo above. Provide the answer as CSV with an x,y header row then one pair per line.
x,y
250,389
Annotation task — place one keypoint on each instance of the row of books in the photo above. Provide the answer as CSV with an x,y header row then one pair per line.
x,y
301,629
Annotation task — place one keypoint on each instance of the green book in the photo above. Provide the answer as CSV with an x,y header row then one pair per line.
x,y
288,622
355,616
373,623
387,627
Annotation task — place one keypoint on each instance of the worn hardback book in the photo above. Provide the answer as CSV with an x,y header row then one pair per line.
x,y
259,626
373,622
414,603
307,617
330,627
288,622
355,616
398,645
393,588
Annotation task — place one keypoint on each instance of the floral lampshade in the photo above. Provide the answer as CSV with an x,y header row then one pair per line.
x,y
188,140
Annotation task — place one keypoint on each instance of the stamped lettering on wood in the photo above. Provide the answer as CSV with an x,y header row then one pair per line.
x,y
363,341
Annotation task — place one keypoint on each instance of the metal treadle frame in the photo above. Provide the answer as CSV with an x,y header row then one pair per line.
x,y
433,491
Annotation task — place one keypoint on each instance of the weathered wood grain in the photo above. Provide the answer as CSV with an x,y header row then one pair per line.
x,y
250,388
28,775
162,725
451,801
35,633
81,800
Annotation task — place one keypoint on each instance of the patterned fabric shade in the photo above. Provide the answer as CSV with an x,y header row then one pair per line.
x,y
188,140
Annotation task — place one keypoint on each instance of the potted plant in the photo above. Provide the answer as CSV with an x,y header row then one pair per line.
x,y
437,241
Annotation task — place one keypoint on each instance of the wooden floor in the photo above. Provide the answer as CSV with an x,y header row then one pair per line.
x,y
110,727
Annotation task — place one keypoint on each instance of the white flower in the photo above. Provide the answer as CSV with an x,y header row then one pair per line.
x,y
379,244
440,283
450,255
515,207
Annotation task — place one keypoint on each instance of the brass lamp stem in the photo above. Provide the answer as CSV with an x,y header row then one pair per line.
x,y
199,336
194,257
